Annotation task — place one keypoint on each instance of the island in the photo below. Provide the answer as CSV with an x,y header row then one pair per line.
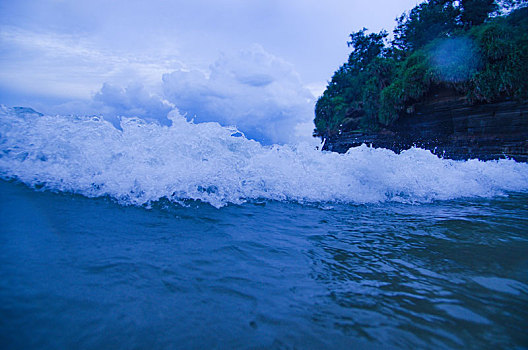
x,y
453,79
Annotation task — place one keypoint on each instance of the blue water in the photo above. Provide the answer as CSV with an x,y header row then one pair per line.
x,y
192,236
90,274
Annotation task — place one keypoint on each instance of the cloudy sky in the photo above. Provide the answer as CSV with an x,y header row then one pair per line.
x,y
256,64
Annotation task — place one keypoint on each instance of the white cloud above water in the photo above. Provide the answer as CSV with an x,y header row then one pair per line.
x,y
259,93
131,101
253,90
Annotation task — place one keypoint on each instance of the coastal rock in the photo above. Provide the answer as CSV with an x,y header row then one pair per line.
x,y
451,127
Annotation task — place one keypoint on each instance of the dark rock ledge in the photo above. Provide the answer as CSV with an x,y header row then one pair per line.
x,y
451,127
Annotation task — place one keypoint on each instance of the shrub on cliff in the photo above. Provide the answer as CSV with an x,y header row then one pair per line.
x,y
503,46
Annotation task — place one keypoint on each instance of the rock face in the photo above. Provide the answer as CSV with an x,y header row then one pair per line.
x,y
450,127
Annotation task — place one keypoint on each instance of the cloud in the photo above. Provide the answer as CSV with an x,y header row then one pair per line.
x,y
259,93
253,90
71,66
256,91
131,101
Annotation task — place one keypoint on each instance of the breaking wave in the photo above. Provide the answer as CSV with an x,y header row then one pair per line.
x,y
145,162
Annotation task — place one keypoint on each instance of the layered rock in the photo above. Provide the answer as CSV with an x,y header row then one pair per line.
x,y
449,126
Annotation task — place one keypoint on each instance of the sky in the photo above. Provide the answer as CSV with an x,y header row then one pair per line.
x,y
258,65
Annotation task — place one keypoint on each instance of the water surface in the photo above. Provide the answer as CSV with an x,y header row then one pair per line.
x,y
88,273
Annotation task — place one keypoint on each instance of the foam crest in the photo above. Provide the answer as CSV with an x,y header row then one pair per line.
x,y
145,162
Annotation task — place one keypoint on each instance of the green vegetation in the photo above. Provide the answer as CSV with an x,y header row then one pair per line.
x,y
465,45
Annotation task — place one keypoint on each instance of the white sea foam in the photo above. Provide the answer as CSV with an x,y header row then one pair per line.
x,y
145,162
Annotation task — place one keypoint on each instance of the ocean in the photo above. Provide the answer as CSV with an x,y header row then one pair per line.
x,y
192,236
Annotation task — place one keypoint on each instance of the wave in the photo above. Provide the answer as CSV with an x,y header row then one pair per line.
x,y
145,162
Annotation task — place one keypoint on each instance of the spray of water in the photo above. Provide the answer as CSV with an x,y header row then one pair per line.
x,y
145,162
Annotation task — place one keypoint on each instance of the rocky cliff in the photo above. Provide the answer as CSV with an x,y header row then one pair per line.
x,y
449,126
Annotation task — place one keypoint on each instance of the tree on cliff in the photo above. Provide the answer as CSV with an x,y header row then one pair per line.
x,y
475,12
369,66
425,22
365,48
465,45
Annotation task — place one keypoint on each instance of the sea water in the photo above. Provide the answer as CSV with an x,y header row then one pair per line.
x,y
192,236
